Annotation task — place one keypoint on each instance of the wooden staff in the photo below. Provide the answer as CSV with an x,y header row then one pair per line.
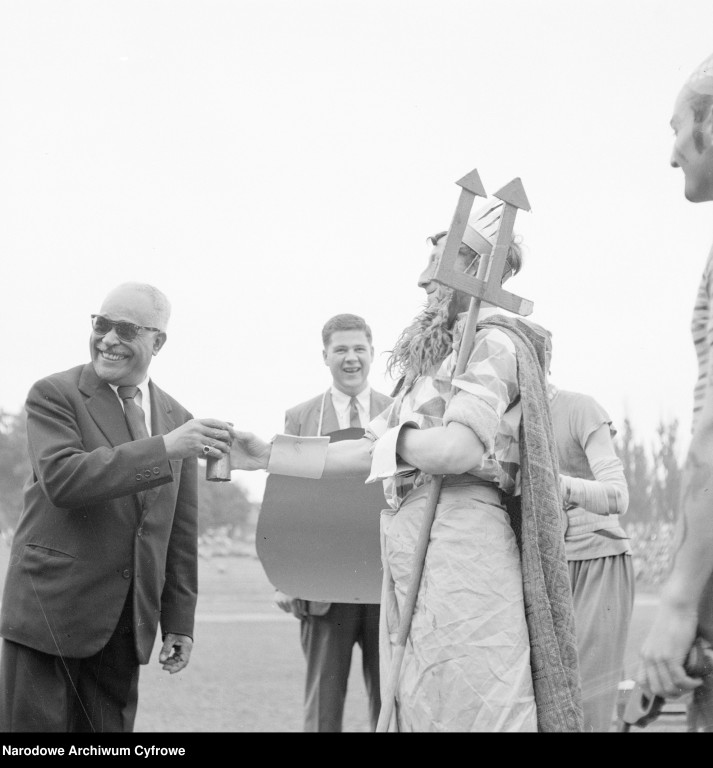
x,y
485,286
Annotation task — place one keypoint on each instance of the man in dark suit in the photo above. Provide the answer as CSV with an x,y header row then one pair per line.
x,y
330,630
106,546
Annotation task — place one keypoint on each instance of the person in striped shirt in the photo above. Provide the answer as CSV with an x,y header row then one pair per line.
x,y
686,600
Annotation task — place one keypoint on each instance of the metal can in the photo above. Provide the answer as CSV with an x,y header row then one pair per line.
x,y
218,470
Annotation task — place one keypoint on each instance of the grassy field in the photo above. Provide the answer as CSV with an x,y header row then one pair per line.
x,y
247,671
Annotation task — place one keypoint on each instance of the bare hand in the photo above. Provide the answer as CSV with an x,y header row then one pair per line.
x,y
248,452
665,651
191,438
175,652
294,605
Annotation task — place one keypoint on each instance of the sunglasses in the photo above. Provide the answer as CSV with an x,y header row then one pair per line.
x,y
125,331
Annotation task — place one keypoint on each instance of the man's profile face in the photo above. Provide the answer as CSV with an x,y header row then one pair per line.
x,y
349,356
692,150
122,362
435,290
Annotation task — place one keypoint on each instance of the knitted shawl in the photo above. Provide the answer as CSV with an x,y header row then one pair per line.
x,y
536,517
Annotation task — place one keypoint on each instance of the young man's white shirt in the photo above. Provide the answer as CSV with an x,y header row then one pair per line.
x,y
342,404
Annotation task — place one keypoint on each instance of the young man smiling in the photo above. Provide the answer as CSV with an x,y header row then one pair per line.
x,y
330,630
106,546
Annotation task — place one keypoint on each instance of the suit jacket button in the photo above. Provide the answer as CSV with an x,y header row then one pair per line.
x,y
138,477
140,532
156,470
147,474
126,573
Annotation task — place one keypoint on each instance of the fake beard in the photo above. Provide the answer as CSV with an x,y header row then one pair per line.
x,y
426,342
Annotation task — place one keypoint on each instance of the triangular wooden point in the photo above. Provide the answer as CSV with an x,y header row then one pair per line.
x,y
514,193
471,181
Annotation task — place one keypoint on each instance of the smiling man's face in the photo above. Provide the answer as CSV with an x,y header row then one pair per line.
x,y
349,356
121,362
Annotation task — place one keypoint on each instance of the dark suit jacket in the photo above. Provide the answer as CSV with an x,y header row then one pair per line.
x,y
303,419
100,511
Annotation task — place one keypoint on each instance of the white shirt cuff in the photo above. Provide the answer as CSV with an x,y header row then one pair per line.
x,y
385,462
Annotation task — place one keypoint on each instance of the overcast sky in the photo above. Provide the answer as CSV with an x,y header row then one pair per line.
x,y
271,163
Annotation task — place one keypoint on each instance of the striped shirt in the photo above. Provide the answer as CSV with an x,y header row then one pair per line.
x,y
485,397
702,331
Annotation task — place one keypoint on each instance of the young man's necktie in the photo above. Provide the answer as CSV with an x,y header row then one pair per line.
x,y
354,420
135,416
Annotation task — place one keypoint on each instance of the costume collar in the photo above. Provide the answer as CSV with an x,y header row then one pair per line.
x,y
486,311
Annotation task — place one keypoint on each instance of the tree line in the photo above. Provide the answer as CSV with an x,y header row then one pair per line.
x,y
653,473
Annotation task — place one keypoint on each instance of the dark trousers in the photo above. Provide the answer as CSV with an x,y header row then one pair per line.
x,y
327,642
44,693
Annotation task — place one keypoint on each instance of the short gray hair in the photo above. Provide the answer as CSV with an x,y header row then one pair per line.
x,y
159,302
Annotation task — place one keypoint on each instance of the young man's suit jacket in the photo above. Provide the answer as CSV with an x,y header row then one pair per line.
x,y
303,419
101,512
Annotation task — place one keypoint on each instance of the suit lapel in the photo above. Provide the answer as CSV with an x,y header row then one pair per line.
x,y
373,407
162,422
330,422
378,403
104,407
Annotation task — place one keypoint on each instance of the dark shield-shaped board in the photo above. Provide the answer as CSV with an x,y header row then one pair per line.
x,y
319,539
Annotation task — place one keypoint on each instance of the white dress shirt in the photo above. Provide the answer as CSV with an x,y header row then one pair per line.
x,y
342,402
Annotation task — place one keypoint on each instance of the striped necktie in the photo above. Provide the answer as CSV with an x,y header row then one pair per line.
x,y
135,416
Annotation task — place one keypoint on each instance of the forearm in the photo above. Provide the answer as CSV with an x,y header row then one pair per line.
x,y
310,457
441,450
677,619
601,496
693,547
348,458
608,493
450,450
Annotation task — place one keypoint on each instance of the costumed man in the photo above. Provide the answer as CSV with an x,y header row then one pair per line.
x,y
686,599
106,546
329,631
474,661
595,496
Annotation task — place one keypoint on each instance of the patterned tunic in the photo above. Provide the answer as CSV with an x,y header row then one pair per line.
x,y
486,399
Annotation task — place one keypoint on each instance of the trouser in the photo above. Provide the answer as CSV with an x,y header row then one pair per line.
x,y
603,597
40,692
327,642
